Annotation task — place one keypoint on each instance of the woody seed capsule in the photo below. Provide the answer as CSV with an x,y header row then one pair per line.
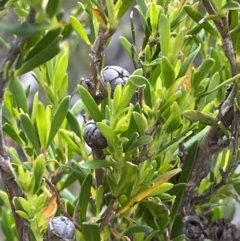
x,y
93,137
114,75
62,228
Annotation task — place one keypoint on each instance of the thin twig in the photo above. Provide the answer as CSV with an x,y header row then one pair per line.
x,y
209,144
59,203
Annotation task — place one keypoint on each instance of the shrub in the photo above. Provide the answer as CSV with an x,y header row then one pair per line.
x,y
162,140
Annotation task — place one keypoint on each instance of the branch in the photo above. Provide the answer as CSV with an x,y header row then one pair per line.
x,y
99,173
209,144
12,188
96,57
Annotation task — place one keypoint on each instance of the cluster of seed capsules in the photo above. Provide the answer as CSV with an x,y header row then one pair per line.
x,y
197,228
114,75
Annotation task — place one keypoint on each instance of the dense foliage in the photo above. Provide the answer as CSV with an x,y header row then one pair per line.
x,y
162,141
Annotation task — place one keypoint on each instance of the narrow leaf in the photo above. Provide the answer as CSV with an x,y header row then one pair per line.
x,y
19,94
108,133
197,16
188,62
126,4
164,30
30,131
38,171
90,104
143,140
73,123
58,118
78,27
42,57
138,229
168,73
91,231
84,197
195,115
8,129
43,122
95,164
53,7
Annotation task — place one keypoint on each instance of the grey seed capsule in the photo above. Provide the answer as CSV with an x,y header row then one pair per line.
x,y
93,137
63,228
114,75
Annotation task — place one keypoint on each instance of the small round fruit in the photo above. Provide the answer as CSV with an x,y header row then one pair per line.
x,y
93,137
62,227
114,75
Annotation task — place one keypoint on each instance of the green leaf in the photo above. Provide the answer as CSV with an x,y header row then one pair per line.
x,y
202,71
30,131
70,137
90,104
231,5
188,62
164,31
108,133
91,231
153,15
195,115
53,7
162,189
168,73
197,16
95,164
133,137
18,93
137,229
141,122
174,121
8,129
143,140
78,27
48,51
112,18
84,196
43,123
126,4
25,29
50,37
74,123
23,214
60,70
38,171
99,198
177,188
127,46
23,204
58,118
